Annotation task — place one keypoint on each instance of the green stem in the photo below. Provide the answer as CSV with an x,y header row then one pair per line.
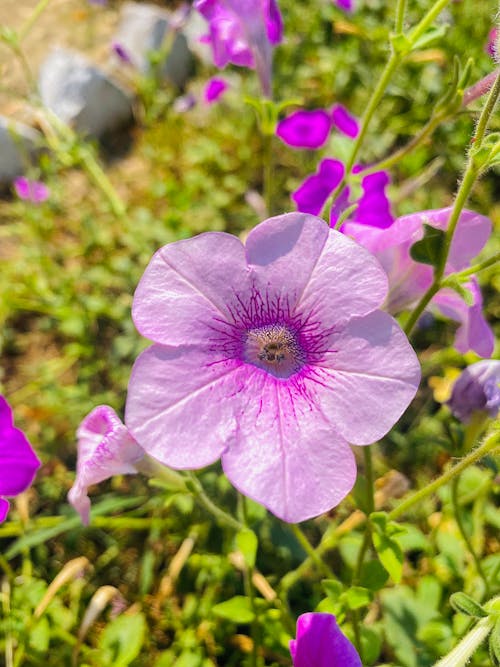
x,y
311,551
400,16
100,179
490,443
420,307
427,21
475,268
458,518
268,180
222,517
249,589
462,653
26,28
488,109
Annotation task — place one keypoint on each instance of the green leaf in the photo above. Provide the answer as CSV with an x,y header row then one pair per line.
x,y
386,546
247,543
428,249
373,575
466,605
40,635
357,597
122,639
237,609
333,588
431,35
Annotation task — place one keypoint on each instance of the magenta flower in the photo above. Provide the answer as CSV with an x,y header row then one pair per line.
x,y
344,121
215,88
273,356
409,280
105,448
305,129
347,5
243,32
477,389
33,191
18,461
321,643
373,207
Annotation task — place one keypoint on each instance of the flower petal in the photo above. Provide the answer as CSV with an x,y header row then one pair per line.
x,y
105,448
285,455
474,332
179,404
368,377
321,643
18,461
312,195
4,509
214,89
186,285
297,258
305,129
344,121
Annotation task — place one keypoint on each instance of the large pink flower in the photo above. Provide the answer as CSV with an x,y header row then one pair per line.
x,y
272,356
243,32
409,280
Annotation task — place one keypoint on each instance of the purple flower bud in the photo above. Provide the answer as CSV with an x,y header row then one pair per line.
x,y
344,121
477,389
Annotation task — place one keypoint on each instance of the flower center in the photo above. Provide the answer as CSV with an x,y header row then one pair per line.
x,y
275,349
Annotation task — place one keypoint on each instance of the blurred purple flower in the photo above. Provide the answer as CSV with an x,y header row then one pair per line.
x,y
34,191
105,448
18,461
184,103
305,129
243,32
344,121
491,46
321,643
121,52
348,5
373,207
215,88
409,280
271,356
476,389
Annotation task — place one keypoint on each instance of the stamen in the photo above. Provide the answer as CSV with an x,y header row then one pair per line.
x,y
274,348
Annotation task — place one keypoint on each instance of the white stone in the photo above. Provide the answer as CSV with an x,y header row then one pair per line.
x,y
82,95
143,29
18,144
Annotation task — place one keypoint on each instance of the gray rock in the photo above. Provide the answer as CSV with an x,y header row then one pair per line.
x,y
82,95
144,29
18,145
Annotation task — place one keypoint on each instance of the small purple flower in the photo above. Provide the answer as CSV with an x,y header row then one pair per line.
x,y
305,129
409,280
321,643
272,356
243,32
373,207
18,461
35,192
347,5
476,389
344,121
215,88
105,448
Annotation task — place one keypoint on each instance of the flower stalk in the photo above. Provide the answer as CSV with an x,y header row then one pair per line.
x,y
462,653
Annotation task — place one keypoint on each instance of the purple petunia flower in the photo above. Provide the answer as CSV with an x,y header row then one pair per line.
x,y
373,207
273,356
476,389
491,45
347,5
409,280
243,32
214,89
305,129
321,643
18,461
344,121
34,191
105,448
